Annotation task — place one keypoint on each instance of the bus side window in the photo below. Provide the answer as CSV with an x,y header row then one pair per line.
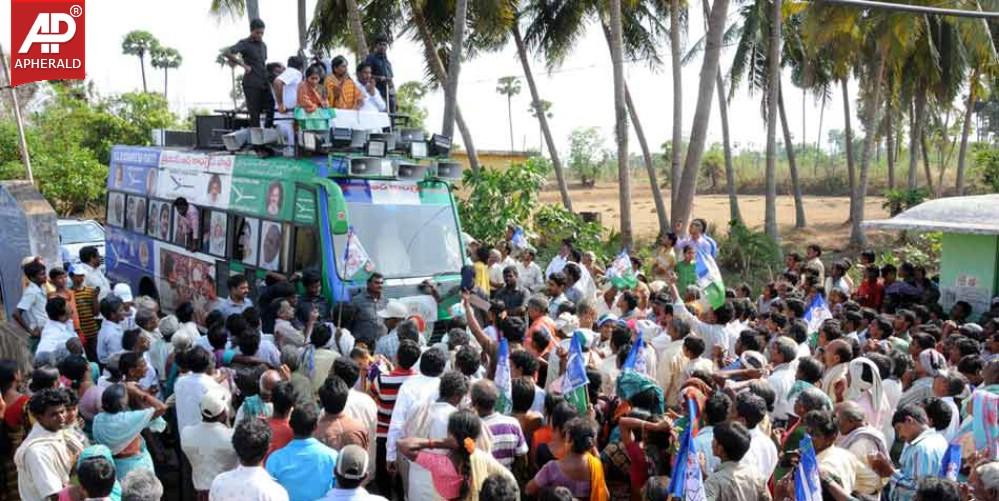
x,y
306,249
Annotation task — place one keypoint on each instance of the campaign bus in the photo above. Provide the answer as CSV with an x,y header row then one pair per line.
x,y
343,215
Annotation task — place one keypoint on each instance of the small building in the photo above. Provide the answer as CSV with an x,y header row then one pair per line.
x,y
969,262
494,159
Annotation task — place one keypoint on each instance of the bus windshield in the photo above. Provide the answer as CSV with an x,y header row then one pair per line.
x,y
407,241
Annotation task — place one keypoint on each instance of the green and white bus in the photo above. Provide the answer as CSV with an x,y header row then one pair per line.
x,y
286,215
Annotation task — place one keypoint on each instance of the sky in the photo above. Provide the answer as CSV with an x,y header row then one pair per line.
x,y
581,89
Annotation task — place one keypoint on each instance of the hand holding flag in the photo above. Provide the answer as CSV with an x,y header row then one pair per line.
x,y
709,279
620,273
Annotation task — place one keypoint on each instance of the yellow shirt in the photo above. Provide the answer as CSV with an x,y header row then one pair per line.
x,y
482,277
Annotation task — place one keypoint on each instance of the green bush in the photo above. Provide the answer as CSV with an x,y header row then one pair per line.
x,y
987,168
553,223
897,201
752,255
497,198
70,142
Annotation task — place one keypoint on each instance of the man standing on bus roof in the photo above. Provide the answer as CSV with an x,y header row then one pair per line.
x,y
368,326
381,70
186,232
255,83
286,96
237,302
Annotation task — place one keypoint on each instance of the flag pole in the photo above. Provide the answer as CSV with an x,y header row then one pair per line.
x,y
25,156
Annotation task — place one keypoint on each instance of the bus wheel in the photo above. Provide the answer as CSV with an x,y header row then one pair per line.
x,y
148,288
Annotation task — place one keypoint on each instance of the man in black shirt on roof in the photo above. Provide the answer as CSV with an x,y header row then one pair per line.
x,y
381,70
256,86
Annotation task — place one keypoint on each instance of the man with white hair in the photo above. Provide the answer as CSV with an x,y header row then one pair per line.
x,y
141,484
985,481
855,435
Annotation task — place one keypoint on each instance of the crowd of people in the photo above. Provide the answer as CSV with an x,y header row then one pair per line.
x,y
280,395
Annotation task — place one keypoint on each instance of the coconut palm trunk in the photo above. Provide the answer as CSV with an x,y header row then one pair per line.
x,y
965,131
303,28
792,165
818,138
925,150
890,147
620,122
437,66
657,194
848,133
252,9
733,198
166,74
142,66
454,67
857,197
546,131
702,111
773,60
914,136
357,30
675,55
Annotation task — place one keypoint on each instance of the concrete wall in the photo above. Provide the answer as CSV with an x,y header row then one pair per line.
x,y
969,270
27,228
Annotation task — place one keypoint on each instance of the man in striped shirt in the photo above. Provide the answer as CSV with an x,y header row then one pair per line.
x,y
384,389
509,443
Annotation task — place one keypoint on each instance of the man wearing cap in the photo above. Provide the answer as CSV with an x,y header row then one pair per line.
x,y
208,444
350,472
368,325
124,292
393,314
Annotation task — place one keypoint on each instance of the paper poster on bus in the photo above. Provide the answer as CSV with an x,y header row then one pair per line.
x,y
266,198
204,180
128,254
181,277
133,169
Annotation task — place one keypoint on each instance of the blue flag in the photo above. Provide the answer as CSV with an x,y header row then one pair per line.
x,y
503,379
806,475
519,240
575,381
686,482
636,357
816,313
951,464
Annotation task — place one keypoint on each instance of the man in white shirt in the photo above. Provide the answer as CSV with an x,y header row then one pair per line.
x,y
249,480
30,313
191,387
286,100
56,332
529,272
413,393
373,100
360,405
783,354
208,444
109,337
433,425
90,260
46,456
750,410
558,262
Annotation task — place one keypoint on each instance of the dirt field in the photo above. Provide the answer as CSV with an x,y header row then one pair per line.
x,y
826,216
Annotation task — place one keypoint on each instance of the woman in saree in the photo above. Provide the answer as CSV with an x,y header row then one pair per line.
x,y
460,472
15,422
866,390
120,428
580,470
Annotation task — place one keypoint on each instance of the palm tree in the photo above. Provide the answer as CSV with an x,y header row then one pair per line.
x,y
509,86
542,107
139,43
702,110
676,49
236,9
621,121
773,73
454,66
165,58
539,109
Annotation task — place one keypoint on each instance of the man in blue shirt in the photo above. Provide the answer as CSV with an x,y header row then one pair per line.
x,y
305,466
237,302
921,457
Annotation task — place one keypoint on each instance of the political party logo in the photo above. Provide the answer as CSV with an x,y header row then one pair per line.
x,y
47,40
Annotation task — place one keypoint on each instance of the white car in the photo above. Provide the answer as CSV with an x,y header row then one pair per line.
x,y
75,234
